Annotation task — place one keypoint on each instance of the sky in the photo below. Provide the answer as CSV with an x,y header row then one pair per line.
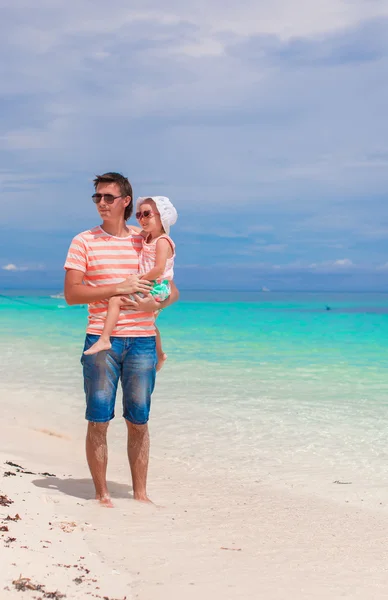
x,y
264,121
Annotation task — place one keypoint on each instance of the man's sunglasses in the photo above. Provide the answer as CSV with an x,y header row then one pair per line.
x,y
146,214
108,198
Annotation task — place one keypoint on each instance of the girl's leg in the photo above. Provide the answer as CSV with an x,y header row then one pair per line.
x,y
112,317
161,356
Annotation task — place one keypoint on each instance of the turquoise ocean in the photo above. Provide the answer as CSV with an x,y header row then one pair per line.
x,y
282,389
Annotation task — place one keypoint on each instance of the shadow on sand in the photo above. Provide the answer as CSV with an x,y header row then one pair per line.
x,y
82,488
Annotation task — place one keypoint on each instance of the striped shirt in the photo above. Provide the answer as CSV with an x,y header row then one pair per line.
x,y
105,260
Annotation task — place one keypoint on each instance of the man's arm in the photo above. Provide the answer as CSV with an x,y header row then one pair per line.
x,y
78,293
148,303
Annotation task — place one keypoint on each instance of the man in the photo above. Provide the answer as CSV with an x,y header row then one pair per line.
x,y
103,262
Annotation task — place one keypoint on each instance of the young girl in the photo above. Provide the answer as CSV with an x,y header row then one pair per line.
x,y
156,264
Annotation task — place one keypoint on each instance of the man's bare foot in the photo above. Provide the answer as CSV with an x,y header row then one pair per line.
x,y
99,346
142,498
161,360
105,501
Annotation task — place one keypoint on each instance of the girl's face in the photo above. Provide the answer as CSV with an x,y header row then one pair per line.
x,y
149,218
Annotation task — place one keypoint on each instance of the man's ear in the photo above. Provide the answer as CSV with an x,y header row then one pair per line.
x,y
127,201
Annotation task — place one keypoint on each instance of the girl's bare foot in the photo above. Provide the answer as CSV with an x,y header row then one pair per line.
x,y
161,360
99,346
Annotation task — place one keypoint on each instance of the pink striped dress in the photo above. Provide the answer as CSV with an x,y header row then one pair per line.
x,y
148,258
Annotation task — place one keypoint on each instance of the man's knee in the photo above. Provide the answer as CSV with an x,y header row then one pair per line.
x,y
136,430
97,431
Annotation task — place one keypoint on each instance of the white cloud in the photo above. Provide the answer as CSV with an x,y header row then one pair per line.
x,y
12,267
343,262
301,18
333,266
272,112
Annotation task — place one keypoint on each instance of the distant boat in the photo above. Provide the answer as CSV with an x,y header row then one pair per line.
x,y
60,295
265,289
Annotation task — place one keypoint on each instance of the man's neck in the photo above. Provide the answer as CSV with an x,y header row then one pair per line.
x,y
119,229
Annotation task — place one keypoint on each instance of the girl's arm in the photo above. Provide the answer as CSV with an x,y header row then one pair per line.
x,y
163,252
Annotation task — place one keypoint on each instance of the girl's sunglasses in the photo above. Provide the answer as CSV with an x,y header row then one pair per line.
x,y
146,214
108,198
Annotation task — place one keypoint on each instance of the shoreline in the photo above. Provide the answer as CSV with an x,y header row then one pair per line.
x,y
202,453
207,538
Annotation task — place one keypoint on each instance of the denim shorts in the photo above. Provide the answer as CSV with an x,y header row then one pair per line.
x,y
132,360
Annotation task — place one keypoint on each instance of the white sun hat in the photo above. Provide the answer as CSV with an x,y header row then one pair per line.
x,y
167,211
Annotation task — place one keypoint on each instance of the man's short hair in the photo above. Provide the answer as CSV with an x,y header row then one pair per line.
x,y
124,185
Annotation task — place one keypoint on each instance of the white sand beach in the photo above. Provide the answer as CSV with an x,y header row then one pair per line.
x,y
204,538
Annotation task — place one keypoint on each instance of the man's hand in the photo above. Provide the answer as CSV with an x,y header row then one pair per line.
x,y
134,284
146,304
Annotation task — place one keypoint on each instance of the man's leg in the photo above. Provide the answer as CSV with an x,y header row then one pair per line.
x,y
138,455
138,381
101,376
97,457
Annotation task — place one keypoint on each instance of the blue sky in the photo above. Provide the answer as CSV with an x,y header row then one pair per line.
x,y
263,121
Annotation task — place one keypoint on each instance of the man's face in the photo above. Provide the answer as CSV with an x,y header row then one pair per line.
x,y
115,211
